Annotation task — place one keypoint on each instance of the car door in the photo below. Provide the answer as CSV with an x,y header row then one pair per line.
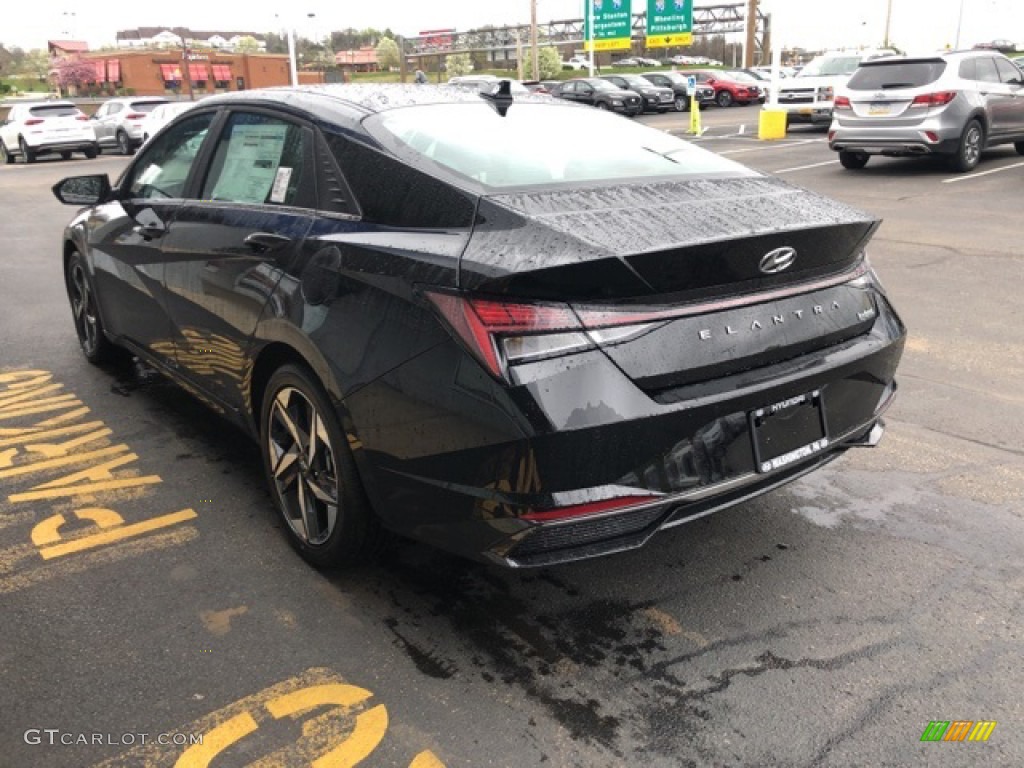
x,y
585,93
1012,80
245,221
994,94
106,122
567,91
9,129
126,235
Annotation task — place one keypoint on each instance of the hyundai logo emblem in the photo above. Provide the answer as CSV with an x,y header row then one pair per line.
x,y
777,260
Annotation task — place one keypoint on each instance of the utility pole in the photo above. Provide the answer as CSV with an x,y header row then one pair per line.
x,y
748,49
888,19
185,62
535,54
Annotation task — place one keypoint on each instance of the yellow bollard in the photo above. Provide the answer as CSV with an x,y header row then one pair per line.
x,y
771,124
695,127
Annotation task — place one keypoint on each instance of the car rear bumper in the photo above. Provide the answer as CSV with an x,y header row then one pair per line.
x,y
807,113
501,480
75,145
897,141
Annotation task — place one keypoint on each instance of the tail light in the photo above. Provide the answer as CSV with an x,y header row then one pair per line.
x,y
500,333
34,121
135,116
842,102
940,99
590,508
81,116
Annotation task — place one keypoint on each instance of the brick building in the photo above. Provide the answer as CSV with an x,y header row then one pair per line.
x,y
162,72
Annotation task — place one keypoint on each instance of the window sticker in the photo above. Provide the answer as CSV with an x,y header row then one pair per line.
x,y
250,168
280,189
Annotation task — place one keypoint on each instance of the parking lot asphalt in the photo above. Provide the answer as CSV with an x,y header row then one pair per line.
x,y
147,595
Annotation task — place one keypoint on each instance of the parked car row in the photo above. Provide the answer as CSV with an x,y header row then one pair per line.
x,y
61,128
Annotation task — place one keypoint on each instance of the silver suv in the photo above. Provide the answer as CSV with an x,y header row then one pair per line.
x,y
953,104
119,123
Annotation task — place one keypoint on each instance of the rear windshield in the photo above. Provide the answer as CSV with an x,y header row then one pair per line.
x,y
54,110
540,144
146,106
902,74
830,66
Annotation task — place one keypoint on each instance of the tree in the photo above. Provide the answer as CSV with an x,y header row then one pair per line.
x,y
388,56
247,44
74,72
37,64
550,63
458,64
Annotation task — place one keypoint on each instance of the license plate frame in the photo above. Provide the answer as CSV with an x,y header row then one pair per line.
x,y
879,109
788,431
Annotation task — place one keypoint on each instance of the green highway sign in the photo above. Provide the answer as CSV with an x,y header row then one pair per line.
x,y
609,23
669,23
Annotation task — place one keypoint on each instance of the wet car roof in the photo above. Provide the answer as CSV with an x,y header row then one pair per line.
x,y
368,98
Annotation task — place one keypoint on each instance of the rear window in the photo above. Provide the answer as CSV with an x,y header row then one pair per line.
x,y
145,106
903,74
830,66
53,110
540,144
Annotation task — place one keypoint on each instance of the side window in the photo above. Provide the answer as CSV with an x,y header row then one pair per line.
x,y
987,72
262,159
969,69
163,168
1007,72
115,108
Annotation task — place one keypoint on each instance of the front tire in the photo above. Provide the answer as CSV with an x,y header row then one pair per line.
x,y
681,104
724,99
853,161
91,152
311,473
65,155
96,347
968,152
1019,146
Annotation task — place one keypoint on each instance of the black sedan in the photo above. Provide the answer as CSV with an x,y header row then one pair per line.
x,y
599,93
678,85
655,98
514,329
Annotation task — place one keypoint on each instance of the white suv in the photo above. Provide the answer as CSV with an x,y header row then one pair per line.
x,y
120,123
808,97
49,127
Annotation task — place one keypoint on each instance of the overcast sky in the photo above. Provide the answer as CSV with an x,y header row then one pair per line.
x,y
916,24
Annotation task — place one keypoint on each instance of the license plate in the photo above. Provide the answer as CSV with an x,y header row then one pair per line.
x,y
879,109
806,111
788,431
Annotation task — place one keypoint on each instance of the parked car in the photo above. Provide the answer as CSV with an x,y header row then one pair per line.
x,y
599,93
680,89
728,90
43,128
655,98
951,104
119,122
627,62
807,96
577,62
641,61
750,80
430,328
162,115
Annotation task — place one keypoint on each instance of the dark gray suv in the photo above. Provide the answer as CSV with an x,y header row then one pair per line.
x,y
954,104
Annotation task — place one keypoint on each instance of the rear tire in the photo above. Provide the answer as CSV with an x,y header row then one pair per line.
x,y
65,155
312,475
96,347
968,152
91,152
26,151
853,161
724,99
1019,146
124,143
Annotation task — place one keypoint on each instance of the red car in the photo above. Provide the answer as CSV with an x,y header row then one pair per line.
x,y
727,90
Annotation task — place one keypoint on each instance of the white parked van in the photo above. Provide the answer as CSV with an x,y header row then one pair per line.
x,y
808,97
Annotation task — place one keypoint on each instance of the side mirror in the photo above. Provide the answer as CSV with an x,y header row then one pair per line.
x,y
83,190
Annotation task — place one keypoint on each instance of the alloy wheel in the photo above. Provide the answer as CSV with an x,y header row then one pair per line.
x,y
83,308
302,466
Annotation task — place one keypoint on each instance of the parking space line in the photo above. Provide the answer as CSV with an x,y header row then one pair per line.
x,y
804,167
982,173
773,145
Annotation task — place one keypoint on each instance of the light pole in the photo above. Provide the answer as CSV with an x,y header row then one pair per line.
x,y
959,24
888,19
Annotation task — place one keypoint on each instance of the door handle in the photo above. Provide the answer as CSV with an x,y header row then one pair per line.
x,y
266,242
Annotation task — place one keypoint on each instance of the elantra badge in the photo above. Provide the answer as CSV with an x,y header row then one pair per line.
x,y
777,260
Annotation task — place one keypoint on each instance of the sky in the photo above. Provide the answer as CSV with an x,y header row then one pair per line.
x,y
917,25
